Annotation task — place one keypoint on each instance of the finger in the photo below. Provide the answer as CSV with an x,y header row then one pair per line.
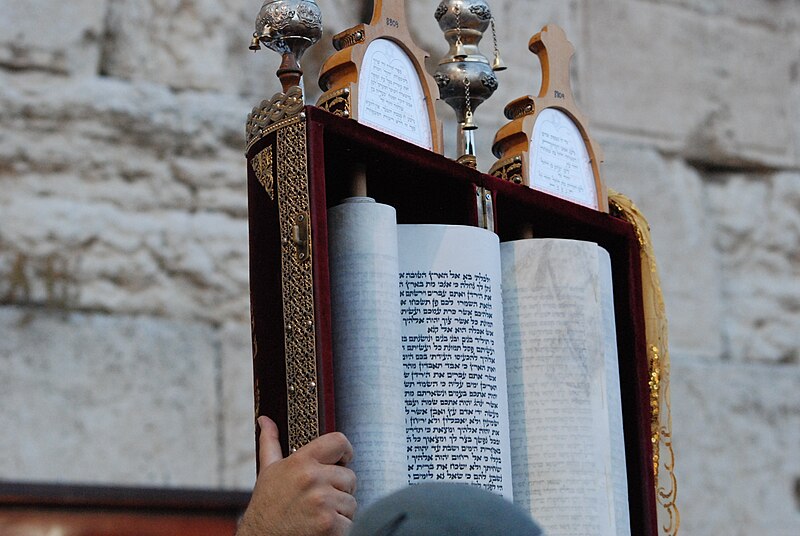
x,y
345,504
331,448
341,478
269,445
343,525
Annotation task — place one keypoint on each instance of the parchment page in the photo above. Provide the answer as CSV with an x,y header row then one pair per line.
x,y
362,242
452,351
558,386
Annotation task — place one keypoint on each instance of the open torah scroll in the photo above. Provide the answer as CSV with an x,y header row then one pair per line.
x,y
460,358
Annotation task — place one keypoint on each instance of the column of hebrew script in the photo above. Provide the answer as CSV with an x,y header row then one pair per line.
x,y
562,445
362,244
452,355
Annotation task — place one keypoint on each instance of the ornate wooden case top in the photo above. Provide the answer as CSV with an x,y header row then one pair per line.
x,y
546,145
378,78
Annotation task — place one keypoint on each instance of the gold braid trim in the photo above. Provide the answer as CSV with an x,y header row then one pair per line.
x,y
655,320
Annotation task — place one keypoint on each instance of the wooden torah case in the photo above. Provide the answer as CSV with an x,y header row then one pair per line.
x,y
302,165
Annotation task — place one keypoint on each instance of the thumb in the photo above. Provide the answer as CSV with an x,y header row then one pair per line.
x,y
269,445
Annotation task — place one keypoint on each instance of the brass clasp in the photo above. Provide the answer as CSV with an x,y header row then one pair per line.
x,y
301,236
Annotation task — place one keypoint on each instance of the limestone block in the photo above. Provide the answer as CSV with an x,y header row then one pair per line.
x,y
715,90
179,44
90,111
239,464
736,435
670,195
774,14
98,257
47,35
203,44
758,226
122,198
96,399
794,103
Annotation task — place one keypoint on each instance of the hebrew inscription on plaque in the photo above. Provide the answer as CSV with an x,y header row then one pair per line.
x,y
390,96
559,162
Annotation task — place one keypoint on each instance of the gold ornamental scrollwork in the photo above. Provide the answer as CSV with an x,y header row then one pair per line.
x,y
337,103
508,169
658,362
297,282
262,166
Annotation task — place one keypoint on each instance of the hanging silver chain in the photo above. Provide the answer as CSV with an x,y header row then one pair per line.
x,y
457,10
468,102
494,40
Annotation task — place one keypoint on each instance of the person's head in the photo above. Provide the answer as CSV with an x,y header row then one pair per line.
x,y
443,508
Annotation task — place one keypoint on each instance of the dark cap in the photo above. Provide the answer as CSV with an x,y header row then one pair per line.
x,y
443,508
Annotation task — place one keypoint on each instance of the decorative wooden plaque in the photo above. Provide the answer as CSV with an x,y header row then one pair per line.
x,y
546,146
378,78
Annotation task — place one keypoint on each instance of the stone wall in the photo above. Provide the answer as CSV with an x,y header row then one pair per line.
x,y
124,333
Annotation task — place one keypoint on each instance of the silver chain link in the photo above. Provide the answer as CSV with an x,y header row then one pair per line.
x,y
468,102
494,39
457,10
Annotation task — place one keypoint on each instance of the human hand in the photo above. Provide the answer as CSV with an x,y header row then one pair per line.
x,y
307,493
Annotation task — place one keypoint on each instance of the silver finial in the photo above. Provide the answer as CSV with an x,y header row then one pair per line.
x,y
464,76
288,27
